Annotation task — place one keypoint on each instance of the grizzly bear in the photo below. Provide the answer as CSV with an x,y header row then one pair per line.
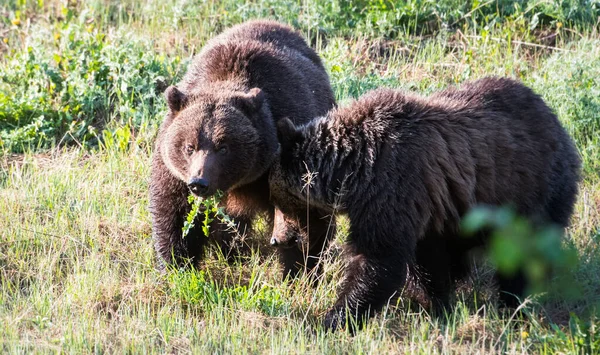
x,y
220,133
405,169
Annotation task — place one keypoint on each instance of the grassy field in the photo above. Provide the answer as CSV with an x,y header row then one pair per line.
x,y
80,102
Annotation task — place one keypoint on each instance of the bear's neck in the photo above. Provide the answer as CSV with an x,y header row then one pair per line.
x,y
331,159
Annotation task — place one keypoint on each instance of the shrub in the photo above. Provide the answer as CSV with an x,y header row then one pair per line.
x,y
89,80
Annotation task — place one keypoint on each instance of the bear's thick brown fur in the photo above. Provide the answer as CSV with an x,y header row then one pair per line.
x,y
405,169
220,134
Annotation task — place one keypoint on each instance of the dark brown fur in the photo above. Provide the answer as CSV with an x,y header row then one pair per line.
x,y
221,128
405,169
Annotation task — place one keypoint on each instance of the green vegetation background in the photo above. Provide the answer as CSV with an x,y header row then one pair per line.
x,y
80,102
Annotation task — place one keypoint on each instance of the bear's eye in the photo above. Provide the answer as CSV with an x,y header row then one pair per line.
x,y
189,149
222,149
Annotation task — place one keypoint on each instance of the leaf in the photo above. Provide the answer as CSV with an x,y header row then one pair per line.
x,y
506,254
477,219
188,224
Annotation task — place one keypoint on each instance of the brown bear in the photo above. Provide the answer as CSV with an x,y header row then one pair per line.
x,y
405,169
220,133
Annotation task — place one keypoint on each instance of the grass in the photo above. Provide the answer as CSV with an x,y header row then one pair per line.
x,y
80,101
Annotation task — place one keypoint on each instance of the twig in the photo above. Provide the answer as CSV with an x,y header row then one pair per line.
x,y
52,236
529,44
521,306
471,12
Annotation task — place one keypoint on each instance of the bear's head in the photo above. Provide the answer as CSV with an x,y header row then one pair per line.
x,y
301,218
294,173
287,230
218,140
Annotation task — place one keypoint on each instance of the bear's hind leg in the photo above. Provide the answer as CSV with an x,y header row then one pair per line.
x,y
371,281
443,259
434,271
511,288
168,207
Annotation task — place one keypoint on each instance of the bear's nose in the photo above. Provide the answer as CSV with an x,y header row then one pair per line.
x,y
285,243
198,186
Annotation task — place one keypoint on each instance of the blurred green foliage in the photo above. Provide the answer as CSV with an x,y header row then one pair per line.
x,y
516,245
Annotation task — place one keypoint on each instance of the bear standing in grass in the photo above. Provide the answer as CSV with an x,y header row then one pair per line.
x,y
220,133
405,169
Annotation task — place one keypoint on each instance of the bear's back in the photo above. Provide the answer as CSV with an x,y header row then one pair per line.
x,y
274,33
522,154
270,56
493,140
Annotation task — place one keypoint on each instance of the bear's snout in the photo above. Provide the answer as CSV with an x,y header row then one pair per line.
x,y
198,186
285,243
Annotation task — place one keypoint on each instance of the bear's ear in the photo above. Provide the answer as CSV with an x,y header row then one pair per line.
x,y
175,98
251,101
287,133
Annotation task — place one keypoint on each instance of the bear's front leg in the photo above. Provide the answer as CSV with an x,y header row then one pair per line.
x,y
371,280
168,209
301,244
232,237
233,233
297,262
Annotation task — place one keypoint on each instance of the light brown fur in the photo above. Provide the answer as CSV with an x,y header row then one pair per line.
x,y
220,131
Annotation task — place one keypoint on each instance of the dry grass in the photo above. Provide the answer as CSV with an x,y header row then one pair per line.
x,y
77,266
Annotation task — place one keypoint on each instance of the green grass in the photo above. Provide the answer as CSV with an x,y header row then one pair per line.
x,y
80,101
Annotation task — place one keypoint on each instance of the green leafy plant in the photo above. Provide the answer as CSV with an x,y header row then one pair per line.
x,y
211,209
207,206
90,82
517,245
578,337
